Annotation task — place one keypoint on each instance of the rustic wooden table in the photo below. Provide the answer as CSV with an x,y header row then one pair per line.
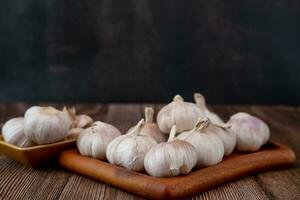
x,y
21,182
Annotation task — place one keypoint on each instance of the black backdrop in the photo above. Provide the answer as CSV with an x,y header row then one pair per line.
x,y
148,50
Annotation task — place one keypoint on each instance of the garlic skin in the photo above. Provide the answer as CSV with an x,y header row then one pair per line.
x,y
251,132
44,125
182,114
200,102
150,128
172,158
129,150
94,140
227,137
74,133
210,149
13,132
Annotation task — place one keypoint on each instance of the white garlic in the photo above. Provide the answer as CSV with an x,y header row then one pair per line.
x,y
182,114
94,140
74,133
200,102
13,133
150,128
227,137
129,150
78,121
44,125
210,148
171,158
251,132
83,121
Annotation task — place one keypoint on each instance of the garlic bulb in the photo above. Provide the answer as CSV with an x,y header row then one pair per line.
x,y
44,125
182,114
74,133
83,121
251,132
129,150
78,121
210,148
227,137
13,133
150,128
200,102
171,158
94,140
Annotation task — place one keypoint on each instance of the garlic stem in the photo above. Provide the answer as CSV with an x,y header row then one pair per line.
x,y
178,98
138,127
172,133
149,112
201,124
200,101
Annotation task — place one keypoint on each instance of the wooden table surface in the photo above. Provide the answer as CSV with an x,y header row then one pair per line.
x,y
21,182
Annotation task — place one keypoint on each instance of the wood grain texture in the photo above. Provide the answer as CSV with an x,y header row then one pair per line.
x,y
19,182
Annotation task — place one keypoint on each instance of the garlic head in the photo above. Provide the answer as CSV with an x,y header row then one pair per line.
x,y
227,137
182,114
171,158
210,149
13,132
94,140
251,132
200,102
74,133
129,150
151,128
44,125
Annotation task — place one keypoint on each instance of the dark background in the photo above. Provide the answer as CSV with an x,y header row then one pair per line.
x,y
148,50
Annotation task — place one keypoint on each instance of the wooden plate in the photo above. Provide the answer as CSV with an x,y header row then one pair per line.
x,y
36,155
237,165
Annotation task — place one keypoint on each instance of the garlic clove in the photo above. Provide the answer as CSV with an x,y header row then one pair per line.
x,y
200,102
182,114
210,149
171,158
251,132
44,125
94,140
13,133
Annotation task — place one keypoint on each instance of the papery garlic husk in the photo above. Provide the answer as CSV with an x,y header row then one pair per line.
x,y
227,137
74,133
13,132
94,140
251,132
129,150
200,102
172,158
182,114
210,149
44,125
150,128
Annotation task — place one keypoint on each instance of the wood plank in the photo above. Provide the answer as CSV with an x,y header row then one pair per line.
x,y
246,188
123,116
284,125
22,182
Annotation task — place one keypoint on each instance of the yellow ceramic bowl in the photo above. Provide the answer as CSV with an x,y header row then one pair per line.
x,y
36,155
